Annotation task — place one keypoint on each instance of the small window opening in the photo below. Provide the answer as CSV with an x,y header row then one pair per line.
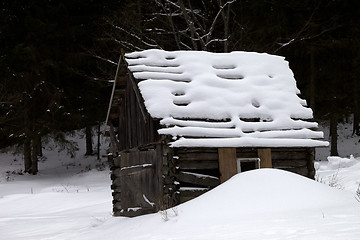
x,y
247,164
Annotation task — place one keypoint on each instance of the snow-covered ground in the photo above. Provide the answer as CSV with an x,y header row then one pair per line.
x,y
348,144
71,199
340,172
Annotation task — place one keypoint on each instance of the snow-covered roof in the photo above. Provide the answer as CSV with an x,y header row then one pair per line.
x,y
237,99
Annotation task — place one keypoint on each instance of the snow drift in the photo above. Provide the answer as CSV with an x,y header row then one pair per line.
x,y
258,204
263,191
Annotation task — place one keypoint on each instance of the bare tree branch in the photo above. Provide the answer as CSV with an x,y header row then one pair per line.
x,y
212,27
169,16
190,24
299,36
92,53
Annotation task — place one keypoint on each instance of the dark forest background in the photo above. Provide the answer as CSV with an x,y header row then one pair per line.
x,y
57,57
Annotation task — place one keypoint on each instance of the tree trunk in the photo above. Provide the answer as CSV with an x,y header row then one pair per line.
x,y
226,16
333,134
27,156
27,142
312,80
98,142
88,135
34,162
356,125
39,148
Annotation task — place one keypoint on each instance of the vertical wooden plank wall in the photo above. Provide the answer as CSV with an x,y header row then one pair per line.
x,y
227,163
134,129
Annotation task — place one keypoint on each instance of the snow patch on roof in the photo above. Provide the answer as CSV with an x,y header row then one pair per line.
x,y
237,98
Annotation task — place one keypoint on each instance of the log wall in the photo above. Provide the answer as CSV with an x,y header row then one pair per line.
x,y
198,170
296,160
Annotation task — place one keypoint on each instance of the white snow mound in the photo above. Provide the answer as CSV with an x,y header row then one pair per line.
x,y
263,191
338,162
259,204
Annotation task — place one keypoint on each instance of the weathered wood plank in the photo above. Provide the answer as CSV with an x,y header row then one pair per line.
x,y
139,178
289,163
289,149
227,163
116,182
198,164
123,79
134,130
265,157
288,155
117,206
197,179
196,150
121,130
198,155
115,188
116,161
113,88
128,118
140,100
117,196
310,163
246,150
247,154
133,125
134,170
115,145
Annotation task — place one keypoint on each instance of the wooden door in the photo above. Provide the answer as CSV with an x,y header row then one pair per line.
x,y
140,181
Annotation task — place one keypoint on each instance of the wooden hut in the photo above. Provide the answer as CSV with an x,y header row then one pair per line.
x,y
183,122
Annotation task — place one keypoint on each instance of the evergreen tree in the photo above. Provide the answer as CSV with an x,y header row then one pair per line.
x,y
46,72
